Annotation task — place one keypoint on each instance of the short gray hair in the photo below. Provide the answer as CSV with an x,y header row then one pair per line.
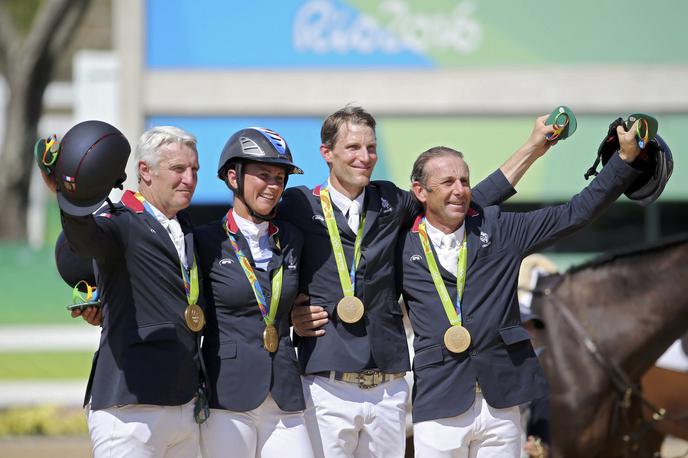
x,y
151,141
418,173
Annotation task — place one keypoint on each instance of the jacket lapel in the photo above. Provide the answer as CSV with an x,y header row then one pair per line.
x,y
161,233
472,237
447,276
277,253
189,243
372,208
342,222
131,201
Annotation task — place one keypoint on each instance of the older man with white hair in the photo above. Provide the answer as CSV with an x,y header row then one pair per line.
x,y
145,375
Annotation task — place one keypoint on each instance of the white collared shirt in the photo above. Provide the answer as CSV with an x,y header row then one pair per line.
x,y
345,205
258,240
446,246
174,230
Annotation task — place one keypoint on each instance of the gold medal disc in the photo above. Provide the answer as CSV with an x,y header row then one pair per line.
x,y
194,317
457,339
270,338
350,309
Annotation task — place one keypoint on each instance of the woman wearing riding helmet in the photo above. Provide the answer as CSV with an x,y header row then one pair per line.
x,y
250,268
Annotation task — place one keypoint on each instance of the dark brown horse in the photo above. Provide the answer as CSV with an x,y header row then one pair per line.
x,y
607,322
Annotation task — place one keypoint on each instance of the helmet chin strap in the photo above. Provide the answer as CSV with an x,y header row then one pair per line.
x,y
268,217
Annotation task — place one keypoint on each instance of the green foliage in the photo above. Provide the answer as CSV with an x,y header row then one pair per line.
x,y
22,12
32,290
42,420
45,365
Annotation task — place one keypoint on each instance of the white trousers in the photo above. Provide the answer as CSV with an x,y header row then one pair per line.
x,y
144,431
480,432
346,421
266,431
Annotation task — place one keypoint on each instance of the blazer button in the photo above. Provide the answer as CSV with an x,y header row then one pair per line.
x,y
473,353
469,318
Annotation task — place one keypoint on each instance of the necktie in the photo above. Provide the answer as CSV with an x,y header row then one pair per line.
x,y
354,218
177,236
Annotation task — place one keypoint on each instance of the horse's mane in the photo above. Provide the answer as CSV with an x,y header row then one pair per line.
x,y
613,255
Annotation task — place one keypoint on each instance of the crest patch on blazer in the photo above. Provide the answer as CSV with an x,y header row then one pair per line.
x,y
485,240
415,258
226,261
386,207
291,261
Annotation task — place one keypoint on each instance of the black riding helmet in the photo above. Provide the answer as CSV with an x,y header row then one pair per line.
x,y
90,162
655,162
72,267
254,144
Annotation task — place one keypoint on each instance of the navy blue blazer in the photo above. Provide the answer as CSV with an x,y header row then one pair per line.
x,y
500,358
378,340
241,372
147,354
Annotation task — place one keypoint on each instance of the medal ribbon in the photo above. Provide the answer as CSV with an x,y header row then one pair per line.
x,y
189,277
453,311
558,128
348,282
642,138
91,293
268,313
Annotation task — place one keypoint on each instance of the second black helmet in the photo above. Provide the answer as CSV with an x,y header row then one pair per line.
x,y
655,162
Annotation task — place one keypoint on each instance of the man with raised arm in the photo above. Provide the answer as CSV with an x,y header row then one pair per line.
x,y
474,363
352,348
145,375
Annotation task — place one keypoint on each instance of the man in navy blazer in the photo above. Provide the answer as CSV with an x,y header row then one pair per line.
x,y
354,364
145,374
474,363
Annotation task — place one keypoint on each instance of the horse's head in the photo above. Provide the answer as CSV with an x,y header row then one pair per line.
x,y
606,322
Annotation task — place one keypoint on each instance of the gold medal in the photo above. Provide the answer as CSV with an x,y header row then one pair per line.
x,y
194,317
457,339
270,338
350,309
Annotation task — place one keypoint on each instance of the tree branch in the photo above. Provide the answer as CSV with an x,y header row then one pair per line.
x,y
9,37
53,27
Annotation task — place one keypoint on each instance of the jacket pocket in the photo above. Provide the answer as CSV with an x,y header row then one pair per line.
x,y
395,307
228,350
514,334
428,357
155,333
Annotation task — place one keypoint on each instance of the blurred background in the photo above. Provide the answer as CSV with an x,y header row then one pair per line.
x,y
470,74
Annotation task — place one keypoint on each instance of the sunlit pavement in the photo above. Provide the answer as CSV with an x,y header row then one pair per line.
x,y
47,339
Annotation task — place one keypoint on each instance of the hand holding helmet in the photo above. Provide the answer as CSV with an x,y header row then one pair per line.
x,y
654,160
83,167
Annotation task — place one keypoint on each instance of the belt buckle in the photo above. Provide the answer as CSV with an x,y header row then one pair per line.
x,y
369,378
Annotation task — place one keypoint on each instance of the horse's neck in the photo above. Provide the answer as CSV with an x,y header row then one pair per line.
x,y
634,307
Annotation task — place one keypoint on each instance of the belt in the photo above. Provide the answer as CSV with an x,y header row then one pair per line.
x,y
367,379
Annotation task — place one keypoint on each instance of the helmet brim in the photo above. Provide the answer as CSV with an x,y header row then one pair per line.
x,y
77,210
